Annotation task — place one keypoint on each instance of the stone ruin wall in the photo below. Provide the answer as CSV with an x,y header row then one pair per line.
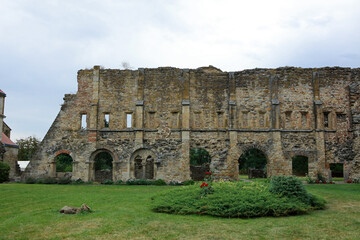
x,y
284,112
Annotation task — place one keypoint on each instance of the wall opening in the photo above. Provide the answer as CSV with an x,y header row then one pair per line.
x,y
326,119
129,120
304,116
337,169
200,160
103,166
300,165
83,121
253,163
64,163
144,164
106,120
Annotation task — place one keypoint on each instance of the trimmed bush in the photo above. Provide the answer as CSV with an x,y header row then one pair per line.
x,y
49,180
39,181
4,172
229,199
159,182
292,187
118,182
30,180
108,182
139,182
189,182
77,181
64,181
176,183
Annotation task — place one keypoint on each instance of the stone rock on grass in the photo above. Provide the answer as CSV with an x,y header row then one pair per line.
x,y
74,210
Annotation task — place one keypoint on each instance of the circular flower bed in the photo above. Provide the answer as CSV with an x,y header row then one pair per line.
x,y
283,196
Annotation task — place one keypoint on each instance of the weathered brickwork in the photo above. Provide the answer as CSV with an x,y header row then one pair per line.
x,y
155,116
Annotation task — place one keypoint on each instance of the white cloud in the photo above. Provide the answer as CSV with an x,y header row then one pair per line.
x,y
44,43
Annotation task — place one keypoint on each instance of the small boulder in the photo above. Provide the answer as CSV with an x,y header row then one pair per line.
x,y
74,210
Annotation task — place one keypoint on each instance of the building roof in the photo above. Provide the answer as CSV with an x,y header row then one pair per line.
x,y
7,142
2,93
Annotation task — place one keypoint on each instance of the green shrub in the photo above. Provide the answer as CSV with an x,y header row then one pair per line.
x,y
4,172
189,182
118,182
49,180
108,182
176,183
39,181
159,182
89,182
231,199
144,182
30,180
139,182
77,181
64,180
131,181
290,187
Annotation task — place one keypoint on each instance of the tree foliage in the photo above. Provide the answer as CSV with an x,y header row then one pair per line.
x,y
4,172
300,165
199,156
64,163
103,161
252,158
27,147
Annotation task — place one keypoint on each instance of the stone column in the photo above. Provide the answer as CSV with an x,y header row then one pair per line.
x,y
139,112
185,127
320,166
277,163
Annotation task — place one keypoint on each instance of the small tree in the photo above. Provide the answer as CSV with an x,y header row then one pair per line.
x,y
4,172
27,147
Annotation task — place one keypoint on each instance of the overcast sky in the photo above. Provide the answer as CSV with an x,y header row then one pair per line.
x,y
44,43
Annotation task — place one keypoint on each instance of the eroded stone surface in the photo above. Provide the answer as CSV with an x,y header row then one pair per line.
x,y
284,112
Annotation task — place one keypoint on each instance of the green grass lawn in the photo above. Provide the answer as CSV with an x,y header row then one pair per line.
x,y
123,212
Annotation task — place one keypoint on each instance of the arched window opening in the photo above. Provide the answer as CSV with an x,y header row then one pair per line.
x,y
149,168
199,163
138,168
64,163
103,166
300,166
337,170
253,163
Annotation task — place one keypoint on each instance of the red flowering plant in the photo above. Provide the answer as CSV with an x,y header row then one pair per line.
x,y
206,186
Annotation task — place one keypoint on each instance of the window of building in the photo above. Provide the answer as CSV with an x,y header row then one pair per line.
x,y
83,121
106,120
129,120
326,119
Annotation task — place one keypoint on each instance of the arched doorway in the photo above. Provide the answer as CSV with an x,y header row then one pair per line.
x,y
64,165
103,164
300,165
142,164
200,160
253,162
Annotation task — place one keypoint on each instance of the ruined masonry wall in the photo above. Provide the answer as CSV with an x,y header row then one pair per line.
x,y
284,112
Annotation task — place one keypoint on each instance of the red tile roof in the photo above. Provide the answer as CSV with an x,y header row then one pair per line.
x,y
5,140
2,91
